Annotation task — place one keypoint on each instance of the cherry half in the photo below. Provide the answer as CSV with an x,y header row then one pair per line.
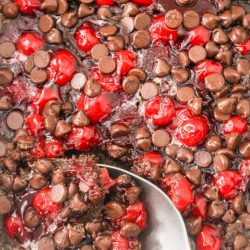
x,y
28,6
125,61
235,124
198,36
143,2
35,123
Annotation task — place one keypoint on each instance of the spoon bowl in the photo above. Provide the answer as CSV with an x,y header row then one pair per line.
x,y
166,228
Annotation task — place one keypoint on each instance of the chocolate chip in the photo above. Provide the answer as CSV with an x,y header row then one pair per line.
x,y
185,94
10,164
46,242
212,193
210,20
231,75
246,21
130,84
38,181
130,230
180,74
72,190
229,153
99,50
29,64
20,132
107,65
5,103
41,59
114,209
171,166
194,225
49,6
58,177
141,39
240,241
76,234
59,193
128,23
92,88
50,123
202,158
213,143
118,130
160,138
229,216
237,12
19,184
103,242
61,238
238,203
238,35
80,119
223,4
185,2
7,49
31,218
226,18
183,58
78,81
142,21
108,30
85,10
5,205
243,108
246,220
62,6
77,203
67,108
226,105
219,116
185,155
161,68
87,247
216,209
69,20
6,76
38,76
194,175
15,120
54,36
46,23
10,10
104,13
93,228
191,19
6,181
87,1
2,148
233,140
237,89
115,43
132,194
116,151
52,108
149,90
173,19
219,36
130,9
214,82
243,66
244,149
25,142
195,106
211,48
44,166
139,73
197,54
62,128
221,162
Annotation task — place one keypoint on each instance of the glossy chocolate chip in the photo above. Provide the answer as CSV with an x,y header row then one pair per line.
x,y
10,10
77,203
180,74
143,139
194,175
41,59
62,6
103,242
226,18
246,21
223,4
108,30
185,155
44,166
173,19
25,142
130,230
130,84
215,209
106,65
221,162
115,43
38,76
130,9
5,103
149,90
238,35
214,82
52,108
67,108
226,105
191,19
7,49
20,132
194,225
19,184
237,12
87,247
244,149
238,203
6,181
197,54
59,193
213,143
233,140
85,10
225,55
118,130
141,39
231,75
46,243
171,166
31,218
80,119
78,81
243,108
6,76
99,50
62,128
243,66
5,205
15,120
46,23
240,242
185,2
185,94
50,123
58,176
139,73
92,88
229,216
210,20
38,181
76,234
104,13
219,116
132,194
69,20
54,36
61,238
195,106
29,64
219,36
160,138
161,67
183,58
49,6
212,193
211,48
203,158
116,151
93,228
142,21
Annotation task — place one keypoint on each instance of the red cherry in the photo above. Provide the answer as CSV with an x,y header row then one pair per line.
x,y
200,206
53,148
97,108
159,31
28,6
35,124
143,2
14,227
125,61
179,189
109,83
208,238
86,38
119,242
198,36
29,43
105,180
44,205
244,48
154,158
244,168
207,67
82,138
229,183
192,131
62,67
136,213
160,109
38,150
235,124
104,2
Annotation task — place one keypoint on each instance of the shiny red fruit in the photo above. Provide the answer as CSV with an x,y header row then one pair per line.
x,y
143,2
29,43
244,168
160,33
82,138
207,67
119,242
136,213
105,180
229,182
198,36
208,238
160,109
192,131
109,83
125,61
235,124
86,38
179,189
62,67
44,205
153,158
28,6
38,150
97,108
200,206
244,48
104,2
53,148
35,124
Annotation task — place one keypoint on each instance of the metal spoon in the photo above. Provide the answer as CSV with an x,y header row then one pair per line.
x,y
166,228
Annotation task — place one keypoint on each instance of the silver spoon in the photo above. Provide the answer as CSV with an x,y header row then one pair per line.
x,y
166,228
